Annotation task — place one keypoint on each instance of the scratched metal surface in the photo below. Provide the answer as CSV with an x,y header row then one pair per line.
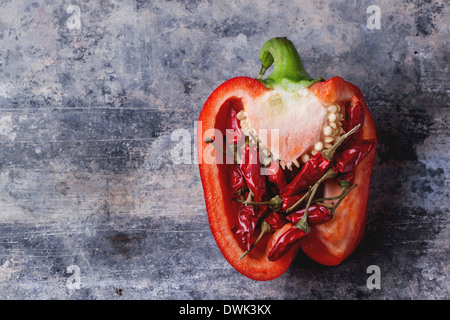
x,y
87,114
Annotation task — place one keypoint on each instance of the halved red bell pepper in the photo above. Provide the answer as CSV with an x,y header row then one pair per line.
x,y
328,243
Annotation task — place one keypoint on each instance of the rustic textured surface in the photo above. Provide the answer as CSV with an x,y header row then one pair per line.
x,y
86,118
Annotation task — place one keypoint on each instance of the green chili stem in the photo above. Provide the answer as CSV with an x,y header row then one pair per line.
x,y
295,205
328,206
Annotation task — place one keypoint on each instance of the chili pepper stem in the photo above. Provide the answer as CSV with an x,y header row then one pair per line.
x,y
333,206
209,140
265,228
295,205
235,150
329,153
303,223
325,205
342,198
327,175
344,189
275,203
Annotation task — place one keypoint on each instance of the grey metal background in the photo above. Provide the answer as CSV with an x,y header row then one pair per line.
x,y
86,118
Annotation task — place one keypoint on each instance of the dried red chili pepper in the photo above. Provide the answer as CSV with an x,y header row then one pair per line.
x,y
289,200
315,167
237,181
276,175
286,242
272,222
275,220
311,171
354,115
345,161
317,214
250,167
247,222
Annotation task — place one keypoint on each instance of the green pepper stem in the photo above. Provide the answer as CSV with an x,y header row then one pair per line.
x,y
288,71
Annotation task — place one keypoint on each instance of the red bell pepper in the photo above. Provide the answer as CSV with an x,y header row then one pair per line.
x,y
328,243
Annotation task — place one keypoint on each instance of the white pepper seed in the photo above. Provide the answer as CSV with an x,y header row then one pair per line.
x,y
318,146
332,109
327,131
305,158
289,166
332,117
241,115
